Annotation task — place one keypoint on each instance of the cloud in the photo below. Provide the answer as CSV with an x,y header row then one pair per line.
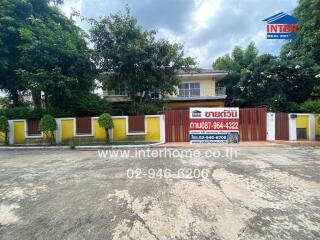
x,y
208,28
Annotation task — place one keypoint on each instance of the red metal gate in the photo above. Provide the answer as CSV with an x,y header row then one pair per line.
x,y
177,125
253,123
282,126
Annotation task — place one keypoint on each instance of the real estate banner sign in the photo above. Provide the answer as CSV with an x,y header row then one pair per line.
x,y
214,125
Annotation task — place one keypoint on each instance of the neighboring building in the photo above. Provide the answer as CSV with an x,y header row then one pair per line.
x,y
197,88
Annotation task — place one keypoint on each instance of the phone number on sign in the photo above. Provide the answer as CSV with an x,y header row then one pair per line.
x,y
214,125
182,173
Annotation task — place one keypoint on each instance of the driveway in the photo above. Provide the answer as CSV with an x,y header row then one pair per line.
x,y
270,192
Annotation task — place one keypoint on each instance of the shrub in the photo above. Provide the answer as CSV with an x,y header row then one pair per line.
x,y
72,144
48,126
310,106
105,121
149,108
84,104
87,104
4,128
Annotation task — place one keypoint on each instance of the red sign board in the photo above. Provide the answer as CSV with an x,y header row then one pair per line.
x,y
214,125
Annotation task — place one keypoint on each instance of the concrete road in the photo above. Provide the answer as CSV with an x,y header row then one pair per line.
x,y
253,193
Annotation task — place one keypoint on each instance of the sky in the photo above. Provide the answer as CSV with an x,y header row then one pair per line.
x,y
207,28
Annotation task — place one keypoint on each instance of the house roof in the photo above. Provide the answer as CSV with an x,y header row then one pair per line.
x,y
204,72
281,18
176,99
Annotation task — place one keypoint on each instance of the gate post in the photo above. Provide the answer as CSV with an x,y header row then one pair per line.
x,y
292,128
271,127
11,132
58,131
162,129
312,127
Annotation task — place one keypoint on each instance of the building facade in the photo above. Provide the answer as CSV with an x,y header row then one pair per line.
x,y
197,89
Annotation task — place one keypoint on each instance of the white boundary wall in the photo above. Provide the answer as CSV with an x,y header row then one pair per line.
x,y
271,126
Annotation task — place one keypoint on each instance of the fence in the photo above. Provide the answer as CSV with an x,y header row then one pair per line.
x,y
282,126
87,130
293,126
255,125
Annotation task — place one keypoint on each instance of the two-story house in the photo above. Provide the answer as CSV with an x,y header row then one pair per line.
x,y
196,89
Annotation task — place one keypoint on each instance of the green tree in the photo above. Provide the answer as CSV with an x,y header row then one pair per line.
x,y
239,60
13,14
42,51
105,121
310,106
258,81
87,104
4,129
282,84
57,2
48,125
306,48
307,44
133,57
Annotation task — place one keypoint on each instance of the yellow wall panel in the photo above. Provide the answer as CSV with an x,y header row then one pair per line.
x,y
303,122
66,129
153,129
119,130
317,125
99,133
19,132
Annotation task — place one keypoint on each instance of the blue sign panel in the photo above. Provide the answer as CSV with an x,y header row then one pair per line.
x,y
227,137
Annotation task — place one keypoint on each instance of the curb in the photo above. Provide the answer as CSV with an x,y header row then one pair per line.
x,y
88,147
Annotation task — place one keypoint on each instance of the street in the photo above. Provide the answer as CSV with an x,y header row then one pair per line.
x,y
270,192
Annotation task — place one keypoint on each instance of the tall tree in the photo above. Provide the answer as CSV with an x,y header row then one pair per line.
x,y
277,82
307,44
13,14
133,57
45,53
239,60
306,48
259,81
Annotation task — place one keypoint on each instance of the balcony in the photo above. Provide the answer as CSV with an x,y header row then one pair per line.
x,y
198,94
203,92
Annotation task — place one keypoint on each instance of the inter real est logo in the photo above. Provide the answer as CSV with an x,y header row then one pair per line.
x,y
281,26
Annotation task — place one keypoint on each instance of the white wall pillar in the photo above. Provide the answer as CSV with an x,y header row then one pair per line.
x,y
58,132
11,132
292,128
271,126
162,129
312,127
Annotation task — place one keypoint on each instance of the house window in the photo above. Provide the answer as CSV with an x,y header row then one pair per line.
x,y
33,127
191,89
154,96
83,126
122,90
